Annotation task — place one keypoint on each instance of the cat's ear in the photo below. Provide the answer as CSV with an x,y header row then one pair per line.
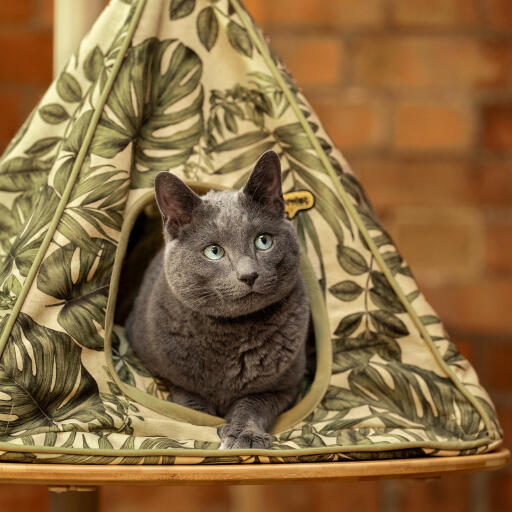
x,y
264,184
175,200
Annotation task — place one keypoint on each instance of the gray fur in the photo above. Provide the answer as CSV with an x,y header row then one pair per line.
x,y
228,335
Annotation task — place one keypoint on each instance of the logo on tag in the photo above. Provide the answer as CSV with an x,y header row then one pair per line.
x,y
297,201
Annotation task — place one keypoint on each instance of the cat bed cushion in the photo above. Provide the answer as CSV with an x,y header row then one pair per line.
x,y
192,87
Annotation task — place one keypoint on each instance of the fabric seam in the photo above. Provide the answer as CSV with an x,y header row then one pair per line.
x,y
286,420
194,453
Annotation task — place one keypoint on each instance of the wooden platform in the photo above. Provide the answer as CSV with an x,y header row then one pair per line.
x,y
72,477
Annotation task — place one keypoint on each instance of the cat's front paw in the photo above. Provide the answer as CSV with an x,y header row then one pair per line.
x,y
244,436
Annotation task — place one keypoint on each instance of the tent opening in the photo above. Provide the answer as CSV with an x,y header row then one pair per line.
x,y
142,239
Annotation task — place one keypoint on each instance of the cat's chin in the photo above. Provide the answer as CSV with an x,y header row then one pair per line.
x,y
250,304
240,307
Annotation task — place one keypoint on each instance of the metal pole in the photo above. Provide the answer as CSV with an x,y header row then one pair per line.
x,y
72,20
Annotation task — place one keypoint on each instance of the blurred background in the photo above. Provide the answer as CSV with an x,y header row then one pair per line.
x,y
418,96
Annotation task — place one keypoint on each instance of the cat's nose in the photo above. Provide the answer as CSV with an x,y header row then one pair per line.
x,y
248,278
246,270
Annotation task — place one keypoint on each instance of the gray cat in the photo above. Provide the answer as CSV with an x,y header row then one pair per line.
x,y
222,314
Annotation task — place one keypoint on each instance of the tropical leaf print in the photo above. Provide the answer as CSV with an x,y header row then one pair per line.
x,y
130,369
207,27
38,213
96,204
120,411
25,176
181,8
78,280
156,77
37,390
170,110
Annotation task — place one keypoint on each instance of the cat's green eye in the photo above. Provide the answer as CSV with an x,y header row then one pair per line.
x,y
214,252
263,242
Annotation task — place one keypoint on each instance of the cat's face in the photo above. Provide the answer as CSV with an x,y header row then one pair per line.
x,y
229,253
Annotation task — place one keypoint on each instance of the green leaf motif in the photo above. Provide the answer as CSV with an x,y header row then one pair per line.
x,y
181,8
411,297
68,88
82,292
245,159
20,173
207,27
33,213
348,324
93,64
43,382
346,291
312,234
230,122
388,324
356,353
76,137
294,135
393,260
239,39
351,261
383,296
241,141
326,202
109,139
53,113
429,319
42,146
158,89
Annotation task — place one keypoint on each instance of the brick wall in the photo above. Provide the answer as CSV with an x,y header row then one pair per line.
x,y
25,60
418,95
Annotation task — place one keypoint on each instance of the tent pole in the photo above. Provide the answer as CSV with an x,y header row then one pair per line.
x,y
72,20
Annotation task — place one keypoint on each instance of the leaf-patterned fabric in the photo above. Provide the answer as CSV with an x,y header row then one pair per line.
x,y
191,86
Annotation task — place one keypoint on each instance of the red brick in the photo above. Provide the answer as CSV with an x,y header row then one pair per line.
x,y
447,494
16,10
497,127
432,61
499,245
340,13
10,115
352,120
257,9
26,56
46,12
505,418
312,60
494,183
409,181
482,306
433,126
499,13
435,181
500,490
498,357
435,13
162,499
467,349
30,99
310,497
442,245
23,497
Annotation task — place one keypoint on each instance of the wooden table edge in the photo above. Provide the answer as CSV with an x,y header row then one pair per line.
x,y
77,476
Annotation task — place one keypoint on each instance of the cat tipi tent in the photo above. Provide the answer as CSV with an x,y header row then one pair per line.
x,y
191,86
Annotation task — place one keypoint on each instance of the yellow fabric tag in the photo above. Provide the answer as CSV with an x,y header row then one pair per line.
x,y
298,200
